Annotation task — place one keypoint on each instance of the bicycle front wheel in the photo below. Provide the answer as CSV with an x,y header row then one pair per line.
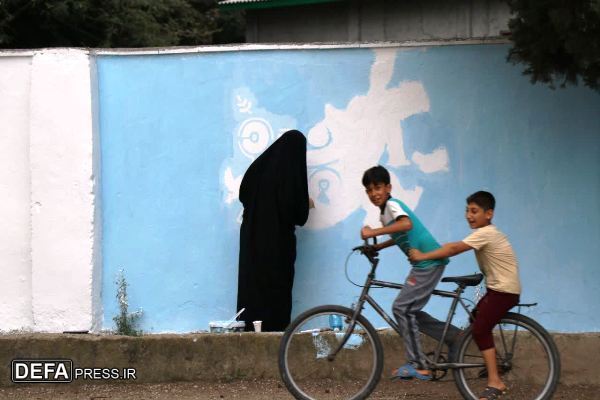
x,y
311,372
528,360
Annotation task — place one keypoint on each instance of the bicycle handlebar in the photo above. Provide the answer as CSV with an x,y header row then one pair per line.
x,y
368,249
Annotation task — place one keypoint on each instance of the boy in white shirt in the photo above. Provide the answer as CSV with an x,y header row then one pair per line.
x,y
497,262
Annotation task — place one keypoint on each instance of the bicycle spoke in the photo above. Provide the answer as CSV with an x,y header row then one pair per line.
x,y
309,371
501,354
514,342
474,356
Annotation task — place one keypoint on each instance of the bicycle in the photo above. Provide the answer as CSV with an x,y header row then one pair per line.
x,y
333,352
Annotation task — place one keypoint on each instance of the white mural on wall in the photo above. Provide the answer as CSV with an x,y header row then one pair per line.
x,y
342,145
257,128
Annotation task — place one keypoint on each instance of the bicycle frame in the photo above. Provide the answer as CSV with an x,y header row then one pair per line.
x,y
539,359
365,297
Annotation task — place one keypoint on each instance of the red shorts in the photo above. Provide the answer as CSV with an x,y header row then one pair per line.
x,y
490,310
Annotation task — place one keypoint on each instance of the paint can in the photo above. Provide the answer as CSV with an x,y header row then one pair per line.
x,y
226,326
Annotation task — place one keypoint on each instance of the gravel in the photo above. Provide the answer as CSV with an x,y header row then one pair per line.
x,y
250,390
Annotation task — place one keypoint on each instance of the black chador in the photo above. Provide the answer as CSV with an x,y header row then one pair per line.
x,y
274,192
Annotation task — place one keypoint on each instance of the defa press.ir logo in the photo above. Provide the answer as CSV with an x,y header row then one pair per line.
x,y
62,371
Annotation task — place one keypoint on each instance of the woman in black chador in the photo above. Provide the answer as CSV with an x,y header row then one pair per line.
x,y
274,192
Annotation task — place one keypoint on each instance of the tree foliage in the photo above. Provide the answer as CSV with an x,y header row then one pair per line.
x,y
558,40
114,23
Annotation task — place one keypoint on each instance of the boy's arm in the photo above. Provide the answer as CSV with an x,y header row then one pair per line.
x,y
447,250
402,224
384,245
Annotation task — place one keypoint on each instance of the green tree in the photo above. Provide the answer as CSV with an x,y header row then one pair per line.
x,y
109,23
557,40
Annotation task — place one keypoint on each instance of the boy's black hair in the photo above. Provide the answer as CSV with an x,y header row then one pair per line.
x,y
483,199
376,175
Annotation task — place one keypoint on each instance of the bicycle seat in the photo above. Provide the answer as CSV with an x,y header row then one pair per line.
x,y
466,280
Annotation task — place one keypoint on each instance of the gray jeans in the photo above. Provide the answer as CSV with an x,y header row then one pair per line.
x,y
419,286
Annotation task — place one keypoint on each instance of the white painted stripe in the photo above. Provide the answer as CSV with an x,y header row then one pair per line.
x,y
62,190
15,188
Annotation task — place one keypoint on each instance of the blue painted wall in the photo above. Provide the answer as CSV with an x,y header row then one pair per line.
x,y
178,132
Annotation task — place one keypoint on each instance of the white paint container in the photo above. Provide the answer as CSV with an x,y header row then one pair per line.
x,y
226,326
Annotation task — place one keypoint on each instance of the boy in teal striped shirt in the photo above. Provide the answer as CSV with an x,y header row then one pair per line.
x,y
407,232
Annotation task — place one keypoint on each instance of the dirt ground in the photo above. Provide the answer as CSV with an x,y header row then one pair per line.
x,y
250,390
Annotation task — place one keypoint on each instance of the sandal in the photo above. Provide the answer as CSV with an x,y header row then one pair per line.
x,y
408,371
491,393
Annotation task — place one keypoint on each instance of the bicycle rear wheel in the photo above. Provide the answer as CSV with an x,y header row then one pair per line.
x,y
305,367
528,360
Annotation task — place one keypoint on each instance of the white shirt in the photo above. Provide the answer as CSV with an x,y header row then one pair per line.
x,y
391,212
496,259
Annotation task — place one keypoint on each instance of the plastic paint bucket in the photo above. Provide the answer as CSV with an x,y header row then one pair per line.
x,y
226,326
